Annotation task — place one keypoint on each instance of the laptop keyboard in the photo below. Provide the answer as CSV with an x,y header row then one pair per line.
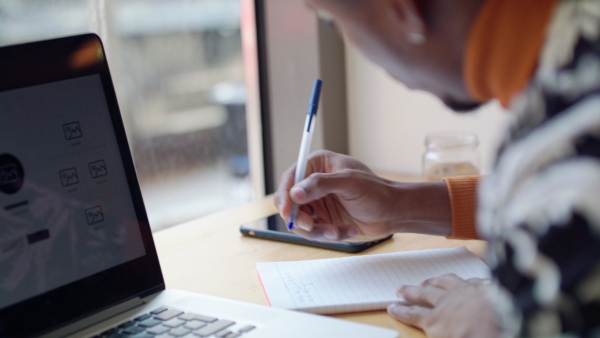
x,y
164,322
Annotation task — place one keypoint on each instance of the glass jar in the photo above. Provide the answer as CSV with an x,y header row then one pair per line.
x,y
450,153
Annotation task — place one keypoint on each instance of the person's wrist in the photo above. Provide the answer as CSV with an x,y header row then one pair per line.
x,y
422,207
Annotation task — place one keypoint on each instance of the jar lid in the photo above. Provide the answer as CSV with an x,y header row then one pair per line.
x,y
451,139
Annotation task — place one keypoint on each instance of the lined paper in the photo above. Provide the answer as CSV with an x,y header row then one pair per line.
x,y
360,283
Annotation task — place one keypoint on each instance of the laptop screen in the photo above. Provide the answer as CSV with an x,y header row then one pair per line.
x,y
67,211
74,235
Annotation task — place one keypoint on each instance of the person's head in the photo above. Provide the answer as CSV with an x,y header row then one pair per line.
x,y
420,43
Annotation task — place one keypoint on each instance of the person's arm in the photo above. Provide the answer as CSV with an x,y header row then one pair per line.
x,y
422,207
447,207
342,199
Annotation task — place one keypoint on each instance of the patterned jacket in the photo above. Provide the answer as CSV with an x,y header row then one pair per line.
x,y
540,210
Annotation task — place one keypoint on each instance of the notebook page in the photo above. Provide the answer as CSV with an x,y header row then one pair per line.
x,y
360,283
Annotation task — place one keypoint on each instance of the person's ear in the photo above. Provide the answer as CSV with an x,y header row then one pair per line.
x,y
411,19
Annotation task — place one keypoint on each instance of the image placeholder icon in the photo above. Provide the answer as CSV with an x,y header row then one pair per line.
x,y
68,177
98,169
72,130
94,215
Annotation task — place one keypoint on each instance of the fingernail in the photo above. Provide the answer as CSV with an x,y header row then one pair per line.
x,y
298,194
399,291
352,232
392,308
329,234
302,226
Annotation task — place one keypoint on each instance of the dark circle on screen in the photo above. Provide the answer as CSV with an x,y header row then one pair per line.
x,y
12,175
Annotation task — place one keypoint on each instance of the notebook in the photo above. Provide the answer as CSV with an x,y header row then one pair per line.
x,y
360,283
77,256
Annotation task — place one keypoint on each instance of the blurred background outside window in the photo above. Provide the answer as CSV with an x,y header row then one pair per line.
x,y
178,71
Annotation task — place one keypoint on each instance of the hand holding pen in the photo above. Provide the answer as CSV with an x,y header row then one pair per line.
x,y
347,201
309,125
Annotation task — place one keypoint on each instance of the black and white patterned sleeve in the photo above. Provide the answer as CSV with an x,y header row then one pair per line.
x,y
548,263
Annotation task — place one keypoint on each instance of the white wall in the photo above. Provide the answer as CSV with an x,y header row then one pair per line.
x,y
299,49
388,122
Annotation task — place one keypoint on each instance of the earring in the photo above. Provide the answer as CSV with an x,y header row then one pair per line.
x,y
416,38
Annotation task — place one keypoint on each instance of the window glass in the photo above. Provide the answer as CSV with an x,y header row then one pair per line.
x,y
178,71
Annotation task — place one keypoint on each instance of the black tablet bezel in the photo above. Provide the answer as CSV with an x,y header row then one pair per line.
x,y
46,62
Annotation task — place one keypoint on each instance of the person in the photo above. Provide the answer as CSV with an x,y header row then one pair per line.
x,y
538,209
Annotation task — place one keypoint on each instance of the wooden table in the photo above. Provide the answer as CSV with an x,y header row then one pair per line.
x,y
210,256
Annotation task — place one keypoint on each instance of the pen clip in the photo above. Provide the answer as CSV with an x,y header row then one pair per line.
x,y
313,105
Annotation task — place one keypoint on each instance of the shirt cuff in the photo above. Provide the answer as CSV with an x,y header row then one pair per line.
x,y
463,202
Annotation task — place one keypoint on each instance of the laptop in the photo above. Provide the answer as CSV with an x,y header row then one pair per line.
x,y
77,256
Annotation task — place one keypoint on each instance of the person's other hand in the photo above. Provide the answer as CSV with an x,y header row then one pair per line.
x,y
342,199
447,306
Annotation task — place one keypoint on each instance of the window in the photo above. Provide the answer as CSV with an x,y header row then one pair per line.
x,y
178,70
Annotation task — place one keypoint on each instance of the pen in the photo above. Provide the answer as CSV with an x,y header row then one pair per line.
x,y
309,126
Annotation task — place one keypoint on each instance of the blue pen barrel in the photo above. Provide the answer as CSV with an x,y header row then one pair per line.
x,y
315,97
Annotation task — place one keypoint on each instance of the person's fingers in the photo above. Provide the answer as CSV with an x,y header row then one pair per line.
x,y
331,233
317,233
409,314
319,185
298,194
446,282
426,296
338,233
283,201
304,220
327,232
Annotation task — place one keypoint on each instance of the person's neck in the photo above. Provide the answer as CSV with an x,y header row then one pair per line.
x,y
503,47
